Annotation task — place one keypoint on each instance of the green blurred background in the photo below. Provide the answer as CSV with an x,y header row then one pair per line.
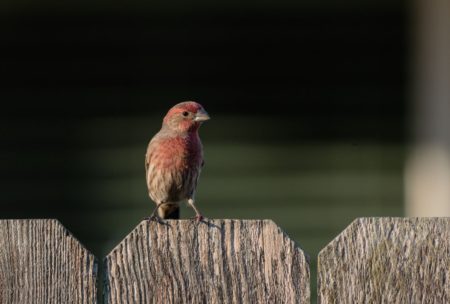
x,y
307,98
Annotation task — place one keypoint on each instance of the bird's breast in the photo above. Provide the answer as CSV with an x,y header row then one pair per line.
x,y
180,153
174,168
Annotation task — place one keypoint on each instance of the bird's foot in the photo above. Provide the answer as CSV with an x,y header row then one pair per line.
x,y
198,218
154,218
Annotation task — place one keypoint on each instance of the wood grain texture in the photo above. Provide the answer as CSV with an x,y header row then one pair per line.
x,y
41,262
221,261
387,260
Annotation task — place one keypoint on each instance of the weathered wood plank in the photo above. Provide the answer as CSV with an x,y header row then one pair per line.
x,y
41,262
222,261
387,260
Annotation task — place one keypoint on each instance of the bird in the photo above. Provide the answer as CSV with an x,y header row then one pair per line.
x,y
174,160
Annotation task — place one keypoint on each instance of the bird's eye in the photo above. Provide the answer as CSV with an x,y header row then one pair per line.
x,y
185,113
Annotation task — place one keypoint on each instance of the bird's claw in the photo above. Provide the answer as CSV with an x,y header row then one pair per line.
x,y
198,218
154,218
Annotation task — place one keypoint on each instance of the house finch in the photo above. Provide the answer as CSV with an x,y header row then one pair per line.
x,y
174,160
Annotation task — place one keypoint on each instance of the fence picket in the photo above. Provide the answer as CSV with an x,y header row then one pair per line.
x,y
387,260
41,262
221,261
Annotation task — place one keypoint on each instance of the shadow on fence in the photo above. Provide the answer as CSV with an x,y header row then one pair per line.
x,y
374,260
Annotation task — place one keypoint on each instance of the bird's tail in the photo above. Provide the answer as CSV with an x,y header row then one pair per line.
x,y
169,211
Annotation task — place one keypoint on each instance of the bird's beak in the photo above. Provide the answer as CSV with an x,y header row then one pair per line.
x,y
201,115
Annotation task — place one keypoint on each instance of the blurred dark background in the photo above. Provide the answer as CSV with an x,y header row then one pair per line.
x,y
308,100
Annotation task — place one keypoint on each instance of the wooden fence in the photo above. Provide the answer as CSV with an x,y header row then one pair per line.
x,y
374,260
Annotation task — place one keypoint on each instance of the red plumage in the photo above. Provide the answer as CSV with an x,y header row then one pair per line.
x,y
174,159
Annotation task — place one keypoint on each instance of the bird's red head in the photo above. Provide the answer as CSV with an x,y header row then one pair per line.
x,y
185,116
